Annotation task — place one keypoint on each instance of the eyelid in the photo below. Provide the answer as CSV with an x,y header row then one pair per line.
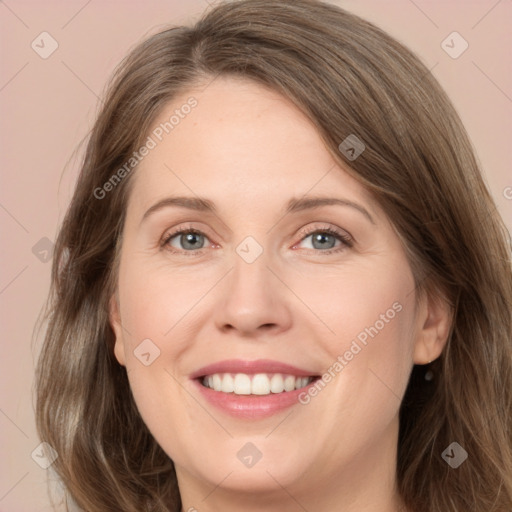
x,y
346,239
170,234
326,228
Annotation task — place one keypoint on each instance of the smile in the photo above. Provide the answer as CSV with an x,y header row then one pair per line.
x,y
251,389
255,384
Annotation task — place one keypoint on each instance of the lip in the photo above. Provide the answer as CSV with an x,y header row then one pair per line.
x,y
251,406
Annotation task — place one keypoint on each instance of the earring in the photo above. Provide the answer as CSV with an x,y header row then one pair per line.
x,y
429,374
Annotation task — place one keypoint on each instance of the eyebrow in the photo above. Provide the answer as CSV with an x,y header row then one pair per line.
x,y
202,204
296,205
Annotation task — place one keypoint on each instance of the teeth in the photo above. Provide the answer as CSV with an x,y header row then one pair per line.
x,y
217,382
277,383
228,384
242,384
301,382
289,383
258,384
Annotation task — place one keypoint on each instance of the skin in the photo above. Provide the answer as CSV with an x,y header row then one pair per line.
x,y
249,150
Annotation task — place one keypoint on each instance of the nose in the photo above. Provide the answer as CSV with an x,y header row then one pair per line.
x,y
254,300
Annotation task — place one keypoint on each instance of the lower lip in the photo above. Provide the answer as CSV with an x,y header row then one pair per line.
x,y
252,406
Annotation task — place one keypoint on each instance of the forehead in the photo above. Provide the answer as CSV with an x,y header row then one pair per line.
x,y
241,138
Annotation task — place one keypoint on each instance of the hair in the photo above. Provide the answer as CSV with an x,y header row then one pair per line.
x,y
349,78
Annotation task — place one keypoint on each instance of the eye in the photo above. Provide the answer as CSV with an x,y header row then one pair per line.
x,y
324,239
184,240
190,241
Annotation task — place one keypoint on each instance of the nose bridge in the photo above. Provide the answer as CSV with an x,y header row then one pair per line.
x,y
250,271
251,281
253,296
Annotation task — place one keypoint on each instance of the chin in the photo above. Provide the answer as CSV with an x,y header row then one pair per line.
x,y
247,469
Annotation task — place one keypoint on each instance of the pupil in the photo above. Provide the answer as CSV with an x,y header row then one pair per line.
x,y
190,238
321,238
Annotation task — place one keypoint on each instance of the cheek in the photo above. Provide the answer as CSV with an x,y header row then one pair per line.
x,y
372,315
168,412
154,313
367,302
158,309
368,361
157,302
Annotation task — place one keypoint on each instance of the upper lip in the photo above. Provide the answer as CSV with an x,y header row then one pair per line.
x,y
250,368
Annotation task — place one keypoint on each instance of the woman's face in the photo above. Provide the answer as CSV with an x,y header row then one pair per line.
x,y
264,292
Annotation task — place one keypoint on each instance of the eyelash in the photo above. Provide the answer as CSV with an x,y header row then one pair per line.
x,y
345,239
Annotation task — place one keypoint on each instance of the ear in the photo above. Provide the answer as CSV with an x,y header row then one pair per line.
x,y
115,322
434,321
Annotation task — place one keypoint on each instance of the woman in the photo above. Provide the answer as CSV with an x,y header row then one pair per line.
x,y
281,283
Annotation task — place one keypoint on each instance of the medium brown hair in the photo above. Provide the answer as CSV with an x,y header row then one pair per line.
x,y
348,77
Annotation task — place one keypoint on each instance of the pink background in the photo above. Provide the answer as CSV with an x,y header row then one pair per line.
x,y
48,106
